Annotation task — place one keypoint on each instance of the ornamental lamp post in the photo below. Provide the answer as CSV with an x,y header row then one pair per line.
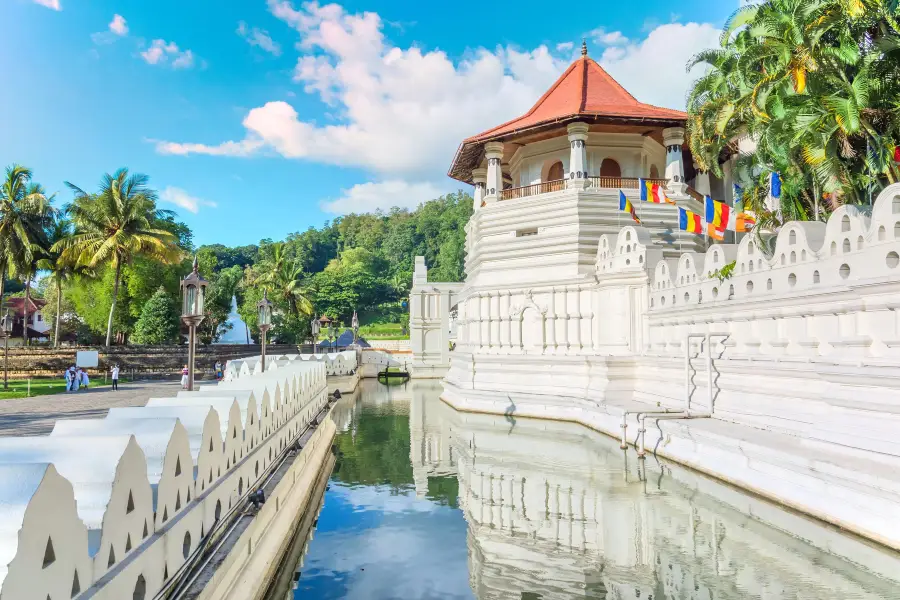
x,y
264,321
193,289
6,325
354,324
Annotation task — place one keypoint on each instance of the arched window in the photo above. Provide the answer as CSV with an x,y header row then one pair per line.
x,y
654,172
610,168
556,172
140,588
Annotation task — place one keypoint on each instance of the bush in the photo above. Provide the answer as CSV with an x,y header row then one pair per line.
x,y
158,323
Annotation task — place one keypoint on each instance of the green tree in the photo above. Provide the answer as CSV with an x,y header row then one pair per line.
x,y
24,209
114,226
813,83
158,323
61,271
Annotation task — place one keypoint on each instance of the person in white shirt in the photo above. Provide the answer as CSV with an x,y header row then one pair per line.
x,y
115,377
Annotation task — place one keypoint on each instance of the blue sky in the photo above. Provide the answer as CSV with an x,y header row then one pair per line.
x,y
259,118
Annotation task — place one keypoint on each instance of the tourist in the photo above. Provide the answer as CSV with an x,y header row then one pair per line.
x,y
85,381
68,377
184,377
75,378
115,377
218,370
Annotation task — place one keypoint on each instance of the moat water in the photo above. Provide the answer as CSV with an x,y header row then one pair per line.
x,y
427,502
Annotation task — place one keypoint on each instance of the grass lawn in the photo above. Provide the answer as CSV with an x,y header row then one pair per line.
x,y
18,388
383,331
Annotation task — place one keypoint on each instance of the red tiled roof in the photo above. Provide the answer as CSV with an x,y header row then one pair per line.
x,y
584,89
17,305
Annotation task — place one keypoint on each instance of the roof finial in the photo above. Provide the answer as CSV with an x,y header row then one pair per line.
x,y
583,47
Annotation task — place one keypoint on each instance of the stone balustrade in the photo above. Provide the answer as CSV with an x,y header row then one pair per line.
x,y
336,363
112,508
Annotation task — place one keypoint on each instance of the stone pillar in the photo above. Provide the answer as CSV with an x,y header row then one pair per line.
x,y
578,134
484,310
479,177
493,151
461,325
550,342
576,341
505,338
495,322
701,183
564,339
673,139
475,321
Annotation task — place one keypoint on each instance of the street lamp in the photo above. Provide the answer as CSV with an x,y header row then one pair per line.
x,y
6,325
193,289
264,320
354,324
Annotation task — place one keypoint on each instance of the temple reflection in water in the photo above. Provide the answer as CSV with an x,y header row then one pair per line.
x,y
556,510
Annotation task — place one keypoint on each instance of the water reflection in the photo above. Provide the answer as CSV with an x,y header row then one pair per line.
x,y
552,510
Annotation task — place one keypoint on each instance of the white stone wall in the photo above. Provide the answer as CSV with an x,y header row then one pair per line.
x,y
431,323
336,363
109,507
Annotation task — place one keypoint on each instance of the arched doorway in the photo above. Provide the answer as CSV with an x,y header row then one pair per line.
x,y
610,168
556,171
654,172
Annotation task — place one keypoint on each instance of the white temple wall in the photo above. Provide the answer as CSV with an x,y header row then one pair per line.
x,y
129,546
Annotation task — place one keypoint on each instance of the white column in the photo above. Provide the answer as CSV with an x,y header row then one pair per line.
x,y
504,322
564,340
493,151
673,139
576,342
495,322
475,321
461,324
577,155
479,178
484,309
551,324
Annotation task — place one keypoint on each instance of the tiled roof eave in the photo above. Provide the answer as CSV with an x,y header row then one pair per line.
x,y
464,162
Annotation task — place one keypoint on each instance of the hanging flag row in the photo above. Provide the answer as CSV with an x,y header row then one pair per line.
x,y
718,217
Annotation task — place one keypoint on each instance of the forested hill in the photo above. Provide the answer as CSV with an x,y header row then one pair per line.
x,y
356,262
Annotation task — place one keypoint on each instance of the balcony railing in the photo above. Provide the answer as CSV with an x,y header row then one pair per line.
x,y
534,189
620,183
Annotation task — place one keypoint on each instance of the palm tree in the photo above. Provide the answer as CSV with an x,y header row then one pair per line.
x,y
282,277
61,270
114,226
24,208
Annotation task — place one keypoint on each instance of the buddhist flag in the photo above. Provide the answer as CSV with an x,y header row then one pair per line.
x,y
689,221
741,222
626,206
653,192
716,234
717,213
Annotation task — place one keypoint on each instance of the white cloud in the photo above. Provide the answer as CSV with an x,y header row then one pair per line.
x,y
117,28
384,195
565,47
260,38
653,69
607,38
160,52
402,112
179,197
118,25
54,4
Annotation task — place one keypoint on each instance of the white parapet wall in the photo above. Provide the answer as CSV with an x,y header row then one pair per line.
x,y
336,363
797,388
112,508
432,323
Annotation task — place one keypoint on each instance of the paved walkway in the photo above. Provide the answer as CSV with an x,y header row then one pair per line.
x,y
36,416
